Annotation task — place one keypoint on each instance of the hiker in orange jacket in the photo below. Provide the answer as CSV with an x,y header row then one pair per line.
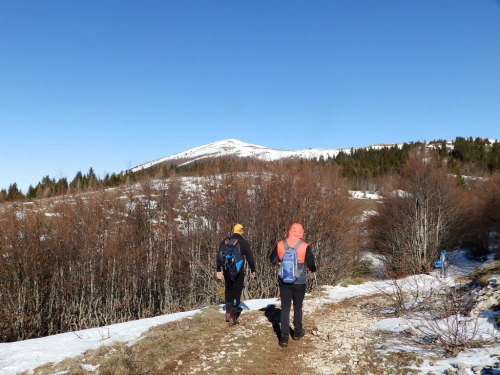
x,y
296,291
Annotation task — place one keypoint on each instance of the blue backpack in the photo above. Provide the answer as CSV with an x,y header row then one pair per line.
x,y
289,270
230,258
442,258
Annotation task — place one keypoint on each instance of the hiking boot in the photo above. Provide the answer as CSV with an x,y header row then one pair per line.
x,y
227,317
297,335
283,341
233,321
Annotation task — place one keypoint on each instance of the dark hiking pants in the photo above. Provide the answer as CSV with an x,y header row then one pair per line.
x,y
233,291
291,293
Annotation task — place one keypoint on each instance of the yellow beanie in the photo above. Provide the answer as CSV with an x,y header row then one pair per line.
x,y
238,228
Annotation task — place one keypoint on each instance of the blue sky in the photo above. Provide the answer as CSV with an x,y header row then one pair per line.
x,y
114,84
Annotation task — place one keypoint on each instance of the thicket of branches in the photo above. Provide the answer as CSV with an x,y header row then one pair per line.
x,y
419,217
116,255
425,211
148,248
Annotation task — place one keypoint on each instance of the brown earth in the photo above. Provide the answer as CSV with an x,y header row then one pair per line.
x,y
337,341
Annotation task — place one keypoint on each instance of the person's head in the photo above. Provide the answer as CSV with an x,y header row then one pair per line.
x,y
296,231
238,229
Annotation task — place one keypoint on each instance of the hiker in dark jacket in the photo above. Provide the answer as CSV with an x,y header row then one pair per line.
x,y
293,292
234,288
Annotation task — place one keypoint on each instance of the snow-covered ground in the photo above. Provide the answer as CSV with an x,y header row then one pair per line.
x,y
460,266
363,195
29,354
24,355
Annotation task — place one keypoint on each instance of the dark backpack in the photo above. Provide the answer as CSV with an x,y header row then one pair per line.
x,y
229,257
289,270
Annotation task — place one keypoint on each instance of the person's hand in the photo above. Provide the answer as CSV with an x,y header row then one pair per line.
x,y
252,275
219,275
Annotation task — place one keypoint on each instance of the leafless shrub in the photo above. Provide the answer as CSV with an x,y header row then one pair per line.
x,y
444,317
418,219
108,256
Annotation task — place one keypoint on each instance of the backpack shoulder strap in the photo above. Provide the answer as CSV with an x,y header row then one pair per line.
x,y
231,241
297,245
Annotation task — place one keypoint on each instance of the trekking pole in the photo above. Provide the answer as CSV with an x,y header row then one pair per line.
x,y
321,305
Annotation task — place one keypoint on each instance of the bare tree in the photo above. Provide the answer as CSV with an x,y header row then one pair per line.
x,y
108,256
418,218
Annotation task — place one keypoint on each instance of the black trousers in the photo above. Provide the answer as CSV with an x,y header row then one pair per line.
x,y
291,293
233,291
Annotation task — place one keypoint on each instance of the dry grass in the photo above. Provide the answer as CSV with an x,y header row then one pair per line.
x,y
206,344
486,272
203,344
389,362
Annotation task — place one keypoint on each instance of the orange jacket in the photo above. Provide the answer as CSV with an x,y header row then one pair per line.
x,y
295,234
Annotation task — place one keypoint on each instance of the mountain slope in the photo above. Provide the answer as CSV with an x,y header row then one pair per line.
x,y
241,149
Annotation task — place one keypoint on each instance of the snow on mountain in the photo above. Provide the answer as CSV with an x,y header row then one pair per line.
x,y
241,149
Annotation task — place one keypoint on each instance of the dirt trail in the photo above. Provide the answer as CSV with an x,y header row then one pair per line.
x,y
342,337
338,342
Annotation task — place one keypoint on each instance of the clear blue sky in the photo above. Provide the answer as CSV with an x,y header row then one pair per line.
x,y
114,84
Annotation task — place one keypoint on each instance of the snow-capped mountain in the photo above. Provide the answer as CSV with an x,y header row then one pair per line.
x,y
241,149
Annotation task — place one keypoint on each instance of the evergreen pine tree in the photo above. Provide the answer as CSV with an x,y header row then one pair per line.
x,y
3,195
13,193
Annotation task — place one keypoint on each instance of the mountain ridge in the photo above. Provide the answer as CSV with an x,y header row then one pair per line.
x,y
238,148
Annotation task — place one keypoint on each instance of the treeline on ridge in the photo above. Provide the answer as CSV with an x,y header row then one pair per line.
x,y
363,166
